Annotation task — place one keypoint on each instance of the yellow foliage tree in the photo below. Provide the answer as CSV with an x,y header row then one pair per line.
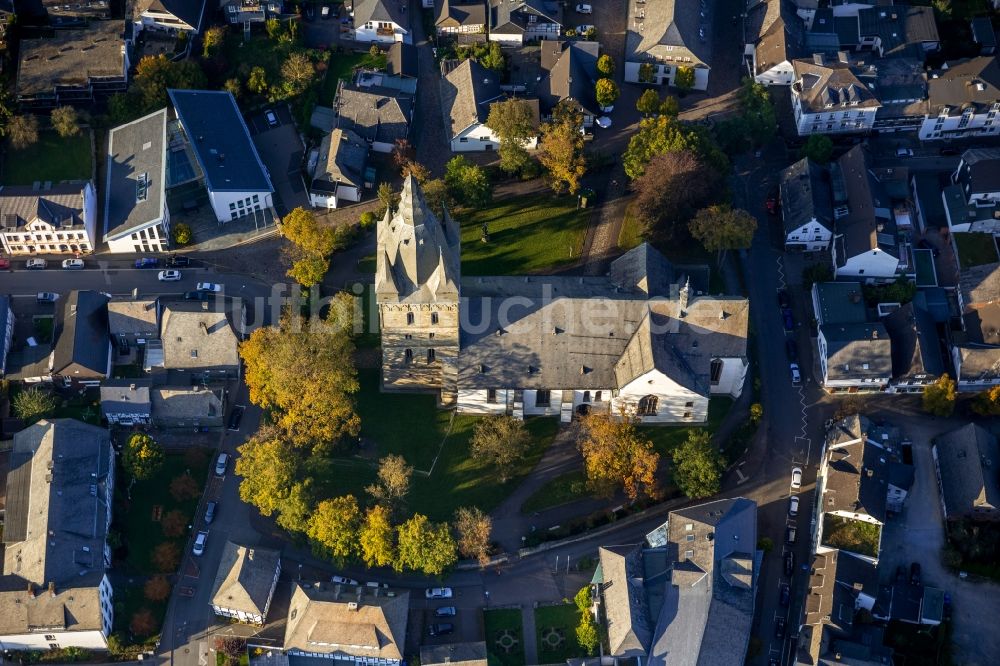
x,y
615,455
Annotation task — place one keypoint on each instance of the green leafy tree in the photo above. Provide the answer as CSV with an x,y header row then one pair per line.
x,y
757,112
697,466
23,131
586,630
297,508
66,121
721,227
818,148
939,397
467,183
182,233
648,102
987,403
257,82
606,91
211,40
142,457
514,124
493,58
377,538
560,150
501,440
269,469
606,65
333,528
669,107
425,546
393,484
684,78
154,75
665,135
33,403
122,108
616,456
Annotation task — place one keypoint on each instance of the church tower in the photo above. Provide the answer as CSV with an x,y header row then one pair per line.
x,y
417,291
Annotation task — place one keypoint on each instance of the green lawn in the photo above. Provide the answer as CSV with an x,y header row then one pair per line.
x,y
555,628
630,235
975,249
666,438
857,536
536,233
42,328
341,67
498,625
563,489
37,163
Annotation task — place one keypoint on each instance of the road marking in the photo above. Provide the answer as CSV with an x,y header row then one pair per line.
x,y
781,272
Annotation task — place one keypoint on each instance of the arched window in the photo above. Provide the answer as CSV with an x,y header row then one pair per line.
x,y
408,356
647,405
586,396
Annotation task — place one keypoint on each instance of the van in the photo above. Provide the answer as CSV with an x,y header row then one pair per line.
x,y
790,535
35,264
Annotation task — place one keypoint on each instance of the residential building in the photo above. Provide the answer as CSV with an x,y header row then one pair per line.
x,y
569,74
972,201
454,654
838,303
976,350
384,21
6,331
327,621
900,84
854,353
468,91
461,19
928,206
662,350
516,22
54,592
48,219
81,348
136,217
125,402
963,99
687,596
63,15
965,460
399,76
984,35
245,582
199,344
173,16
892,30
664,36
916,347
340,171
237,182
73,67
807,207
380,116
131,323
779,40
829,98
187,407
246,12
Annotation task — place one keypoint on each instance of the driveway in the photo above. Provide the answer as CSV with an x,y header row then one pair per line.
x,y
917,535
281,150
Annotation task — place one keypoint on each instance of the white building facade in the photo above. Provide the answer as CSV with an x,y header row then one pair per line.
x,y
67,224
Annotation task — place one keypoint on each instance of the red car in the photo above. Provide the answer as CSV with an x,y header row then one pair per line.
x,y
4,265
772,205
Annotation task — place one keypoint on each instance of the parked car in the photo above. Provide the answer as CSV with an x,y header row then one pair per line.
x,y
147,262
72,264
438,593
925,244
787,319
772,203
235,417
584,9
178,261
584,29
796,478
199,543
168,276
791,350
325,12
35,264
272,118
47,297
789,563
784,595
779,628
793,505
790,535
375,586
904,152
195,296
344,580
210,512
603,122
221,464
441,629
796,375
915,573
4,265
209,286
446,611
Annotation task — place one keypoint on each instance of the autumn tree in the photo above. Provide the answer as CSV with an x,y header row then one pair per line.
x,y
173,523
419,172
33,403
606,65
818,148
377,538
311,245
987,403
393,484
23,131
669,107
648,102
232,647
142,456
474,529
184,487
561,148
437,196
297,73
664,134
66,121
514,124
257,81
333,528
156,588
500,440
606,91
233,87
615,455
467,182
671,188
425,546
295,510
269,468
211,40
303,373
166,556
154,75
684,78
697,466
939,397
143,622
721,227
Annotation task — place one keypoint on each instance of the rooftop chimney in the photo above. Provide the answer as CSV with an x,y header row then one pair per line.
x,y
31,590
52,588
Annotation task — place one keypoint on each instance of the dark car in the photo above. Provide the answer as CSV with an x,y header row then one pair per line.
x,y
441,628
785,595
176,260
787,319
779,627
196,296
947,151
235,417
791,350
783,299
147,262
925,244
789,563
446,611
915,573
210,512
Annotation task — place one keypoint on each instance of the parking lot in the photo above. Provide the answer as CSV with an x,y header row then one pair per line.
x,y
281,150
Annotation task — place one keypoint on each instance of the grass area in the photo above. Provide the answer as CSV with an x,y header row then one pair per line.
x,y
411,425
529,234
975,249
367,265
563,489
139,521
856,536
499,625
36,163
341,67
666,438
42,328
972,547
130,371
917,645
630,235
555,631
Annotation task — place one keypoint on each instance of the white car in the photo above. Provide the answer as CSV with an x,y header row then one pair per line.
x,y
584,9
438,593
604,122
584,29
343,580
272,118
35,264
199,544
796,375
904,152
796,478
168,276
208,286
72,264
221,464
793,506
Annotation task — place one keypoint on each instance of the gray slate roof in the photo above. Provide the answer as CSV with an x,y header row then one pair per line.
x,y
901,28
980,290
916,347
467,92
59,205
373,114
189,11
570,72
625,609
71,58
342,158
958,87
194,403
401,60
982,32
806,195
133,318
779,30
967,460
857,351
674,28
858,231
125,396
197,336
454,14
512,16
857,480
979,171
136,175
824,80
453,654
221,141
246,578
80,335
382,10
